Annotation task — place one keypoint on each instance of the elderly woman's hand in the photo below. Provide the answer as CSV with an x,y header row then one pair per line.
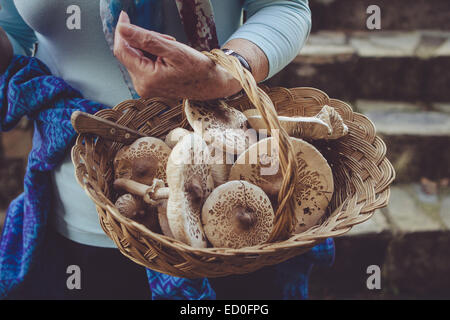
x,y
179,71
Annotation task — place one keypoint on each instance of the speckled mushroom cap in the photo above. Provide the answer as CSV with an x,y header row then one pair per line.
x,y
222,126
314,187
190,182
136,209
142,161
130,206
237,214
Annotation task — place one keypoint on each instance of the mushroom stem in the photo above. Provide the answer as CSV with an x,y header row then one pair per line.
x,y
150,194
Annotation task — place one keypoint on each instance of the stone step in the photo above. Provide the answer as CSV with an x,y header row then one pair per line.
x,y
395,14
408,240
401,66
417,137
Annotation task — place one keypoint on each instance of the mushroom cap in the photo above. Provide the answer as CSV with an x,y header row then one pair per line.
x,y
130,206
237,214
135,209
190,182
338,127
222,126
314,187
302,127
174,136
142,161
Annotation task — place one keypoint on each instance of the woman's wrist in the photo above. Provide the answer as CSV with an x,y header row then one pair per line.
x,y
226,83
253,55
6,51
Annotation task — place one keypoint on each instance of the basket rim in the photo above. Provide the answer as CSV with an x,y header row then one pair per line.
x,y
309,237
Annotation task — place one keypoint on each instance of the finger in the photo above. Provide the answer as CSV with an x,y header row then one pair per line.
x,y
168,37
123,17
149,41
133,59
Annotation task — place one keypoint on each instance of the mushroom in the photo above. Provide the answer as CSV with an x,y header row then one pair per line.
x,y
221,126
135,209
339,128
190,182
145,204
237,214
327,124
174,136
142,161
259,165
130,206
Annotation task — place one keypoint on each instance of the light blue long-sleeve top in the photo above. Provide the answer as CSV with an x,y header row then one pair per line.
x,y
83,58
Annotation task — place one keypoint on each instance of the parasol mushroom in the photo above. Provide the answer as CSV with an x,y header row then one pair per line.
x,y
190,182
237,214
314,187
221,126
327,124
146,203
174,136
142,161
135,209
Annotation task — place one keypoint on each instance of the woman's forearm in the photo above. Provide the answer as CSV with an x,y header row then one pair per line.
x,y
279,28
255,57
6,51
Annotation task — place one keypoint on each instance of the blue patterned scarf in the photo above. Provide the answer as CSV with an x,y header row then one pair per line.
x,y
27,88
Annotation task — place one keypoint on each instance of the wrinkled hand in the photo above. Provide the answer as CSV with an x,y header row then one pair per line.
x,y
179,71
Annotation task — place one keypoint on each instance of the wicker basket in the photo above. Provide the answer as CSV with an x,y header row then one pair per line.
x,y
362,176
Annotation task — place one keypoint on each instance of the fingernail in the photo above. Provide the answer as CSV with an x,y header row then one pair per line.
x,y
123,17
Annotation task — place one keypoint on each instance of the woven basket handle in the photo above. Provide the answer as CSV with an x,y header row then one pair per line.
x,y
285,216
